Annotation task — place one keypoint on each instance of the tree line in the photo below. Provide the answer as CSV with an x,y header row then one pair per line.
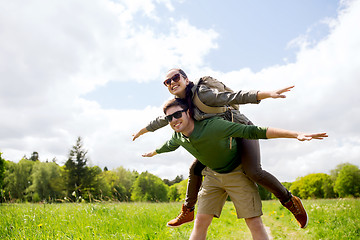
x,y
343,181
31,180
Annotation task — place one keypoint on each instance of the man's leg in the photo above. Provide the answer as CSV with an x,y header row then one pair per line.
x,y
257,228
194,183
202,223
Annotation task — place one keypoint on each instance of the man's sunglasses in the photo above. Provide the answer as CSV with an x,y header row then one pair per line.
x,y
174,78
176,115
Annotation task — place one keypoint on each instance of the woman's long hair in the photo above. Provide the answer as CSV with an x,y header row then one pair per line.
x,y
188,92
189,98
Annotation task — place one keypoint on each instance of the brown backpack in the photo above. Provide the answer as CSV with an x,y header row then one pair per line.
x,y
213,84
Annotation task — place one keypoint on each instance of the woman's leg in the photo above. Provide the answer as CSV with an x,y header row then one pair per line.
x,y
250,158
194,183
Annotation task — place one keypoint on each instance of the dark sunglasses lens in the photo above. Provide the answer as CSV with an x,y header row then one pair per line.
x,y
177,114
167,82
174,78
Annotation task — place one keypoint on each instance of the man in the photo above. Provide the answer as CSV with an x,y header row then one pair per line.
x,y
208,140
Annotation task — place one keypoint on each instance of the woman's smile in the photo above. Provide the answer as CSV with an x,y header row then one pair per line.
x,y
174,87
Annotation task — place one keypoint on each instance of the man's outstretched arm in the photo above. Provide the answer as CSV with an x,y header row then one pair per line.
x,y
168,146
282,133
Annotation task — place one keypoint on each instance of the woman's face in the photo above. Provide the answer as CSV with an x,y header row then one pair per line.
x,y
176,88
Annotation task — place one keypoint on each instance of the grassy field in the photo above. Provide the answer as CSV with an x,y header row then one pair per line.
x,y
329,219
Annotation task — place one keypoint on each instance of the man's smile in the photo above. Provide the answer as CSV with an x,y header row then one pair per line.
x,y
176,125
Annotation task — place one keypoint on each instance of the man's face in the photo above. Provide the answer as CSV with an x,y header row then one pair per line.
x,y
178,124
177,88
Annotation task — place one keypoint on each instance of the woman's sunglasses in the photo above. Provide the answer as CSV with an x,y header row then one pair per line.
x,y
174,78
176,115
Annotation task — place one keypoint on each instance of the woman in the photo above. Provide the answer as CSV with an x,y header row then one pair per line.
x,y
180,86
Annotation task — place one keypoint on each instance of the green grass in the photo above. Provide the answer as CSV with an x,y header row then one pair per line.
x,y
329,219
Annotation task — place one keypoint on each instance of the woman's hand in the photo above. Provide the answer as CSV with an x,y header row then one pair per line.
x,y
138,134
273,94
149,154
279,93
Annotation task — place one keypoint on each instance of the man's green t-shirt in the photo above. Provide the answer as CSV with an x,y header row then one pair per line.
x,y
210,142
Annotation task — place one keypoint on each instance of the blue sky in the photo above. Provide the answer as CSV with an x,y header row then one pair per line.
x,y
95,69
255,34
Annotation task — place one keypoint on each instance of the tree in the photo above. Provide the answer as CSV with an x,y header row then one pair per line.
x,y
176,180
264,193
149,187
17,179
34,157
316,185
113,185
125,181
182,188
76,169
177,191
348,181
2,171
95,186
47,182
173,194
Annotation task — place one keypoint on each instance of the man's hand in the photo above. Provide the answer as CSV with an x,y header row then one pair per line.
x,y
308,137
149,154
138,134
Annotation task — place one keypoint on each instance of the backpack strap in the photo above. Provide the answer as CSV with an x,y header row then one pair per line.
x,y
205,108
208,109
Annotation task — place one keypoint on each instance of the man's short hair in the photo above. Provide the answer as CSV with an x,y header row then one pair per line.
x,y
175,102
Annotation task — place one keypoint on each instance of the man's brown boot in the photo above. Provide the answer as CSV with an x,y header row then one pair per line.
x,y
295,206
186,216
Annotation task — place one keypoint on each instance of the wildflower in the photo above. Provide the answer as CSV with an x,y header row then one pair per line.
x,y
40,225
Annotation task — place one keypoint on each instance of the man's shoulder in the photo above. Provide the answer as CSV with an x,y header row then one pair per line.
x,y
210,119
216,120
